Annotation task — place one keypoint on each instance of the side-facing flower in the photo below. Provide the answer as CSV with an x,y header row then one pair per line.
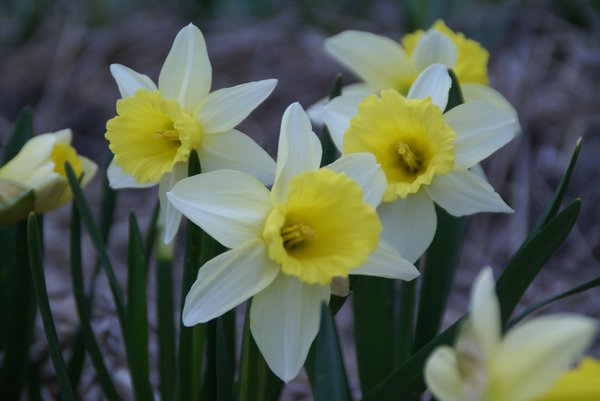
x,y
523,364
288,244
157,127
382,63
426,154
578,384
39,167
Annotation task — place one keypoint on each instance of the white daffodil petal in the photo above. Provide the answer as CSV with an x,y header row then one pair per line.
x,y
118,179
363,168
486,93
481,129
89,170
434,82
338,113
284,320
534,354
464,192
170,217
236,150
228,280
225,108
186,74
299,149
130,81
442,374
386,261
409,224
315,112
378,60
485,311
434,47
229,205
35,153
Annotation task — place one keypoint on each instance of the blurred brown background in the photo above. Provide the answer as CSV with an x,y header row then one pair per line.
x,y
545,58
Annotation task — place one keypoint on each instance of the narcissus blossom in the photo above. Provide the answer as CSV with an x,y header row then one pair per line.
x,y
578,384
288,244
425,153
157,127
520,365
39,167
382,63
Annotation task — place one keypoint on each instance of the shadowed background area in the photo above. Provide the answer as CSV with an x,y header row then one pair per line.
x,y
545,59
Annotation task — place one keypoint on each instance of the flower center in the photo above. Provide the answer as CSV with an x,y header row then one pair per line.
x,y
62,153
408,137
294,235
409,160
324,228
150,135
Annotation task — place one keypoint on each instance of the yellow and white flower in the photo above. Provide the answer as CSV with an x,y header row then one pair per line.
x,y
426,154
157,127
382,63
522,365
39,166
288,243
578,384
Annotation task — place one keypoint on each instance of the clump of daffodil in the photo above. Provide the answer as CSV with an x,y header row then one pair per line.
x,y
288,244
426,154
520,365
578,384
39,168
382,63
157,127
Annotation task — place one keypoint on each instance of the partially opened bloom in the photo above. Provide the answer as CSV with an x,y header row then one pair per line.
x,y
287,244
579,384
157,127
426,154
522,365
382,63
39,167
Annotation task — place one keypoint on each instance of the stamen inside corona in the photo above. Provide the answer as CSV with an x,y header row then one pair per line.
x,y
296,234
408,158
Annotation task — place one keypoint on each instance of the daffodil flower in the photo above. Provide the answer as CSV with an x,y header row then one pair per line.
x,y
288,244
382,63
39,167
157,127
519,366
426,154
578,384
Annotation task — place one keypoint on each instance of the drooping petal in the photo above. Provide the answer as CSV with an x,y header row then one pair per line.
x,y
229,205
228,280
534,354
284,320
225,108
236,150
130,81
299,149
118,179
442,374
386,261
473,91
169,215
464,192
409,224
434,47
315,112
485,311
481,129
337,114
186,74
434,82
378,60
363,168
